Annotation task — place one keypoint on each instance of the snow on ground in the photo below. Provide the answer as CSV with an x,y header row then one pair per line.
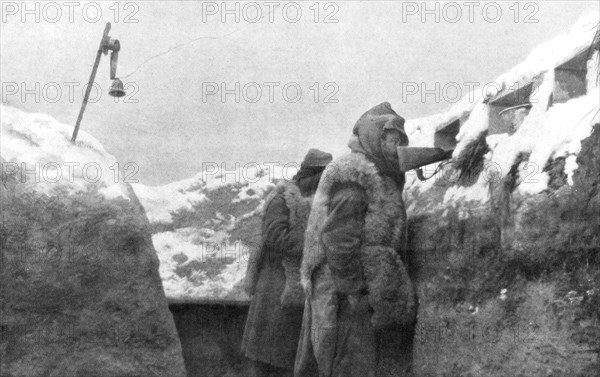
x,y
161,201
195,267
38,149
195,220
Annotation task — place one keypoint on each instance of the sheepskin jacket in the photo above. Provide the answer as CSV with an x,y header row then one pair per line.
x,y
299,210
299,207
390,291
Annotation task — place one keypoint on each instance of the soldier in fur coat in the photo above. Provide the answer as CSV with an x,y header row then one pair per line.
x,y
273,277
360,305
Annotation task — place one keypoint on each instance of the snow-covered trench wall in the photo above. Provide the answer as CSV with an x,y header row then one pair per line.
x,y
505,239
80,289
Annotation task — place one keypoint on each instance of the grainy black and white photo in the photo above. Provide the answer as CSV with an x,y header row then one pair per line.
x,y
304,188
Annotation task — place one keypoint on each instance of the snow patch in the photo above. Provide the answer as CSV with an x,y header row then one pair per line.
x,y
39,149
187,259
548,131
161,201
479,192
200,261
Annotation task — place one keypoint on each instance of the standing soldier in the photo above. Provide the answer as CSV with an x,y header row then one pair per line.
x,y
273,277
360,300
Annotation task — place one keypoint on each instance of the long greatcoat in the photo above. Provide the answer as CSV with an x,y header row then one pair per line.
x,y
275,315
354,236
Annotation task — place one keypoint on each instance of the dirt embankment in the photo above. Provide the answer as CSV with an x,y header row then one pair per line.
x,y
511,287
81,293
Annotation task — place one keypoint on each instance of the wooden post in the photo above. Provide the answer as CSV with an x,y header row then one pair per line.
x,y
101,49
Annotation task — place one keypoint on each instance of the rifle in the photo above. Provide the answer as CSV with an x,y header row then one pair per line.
x,y
410,158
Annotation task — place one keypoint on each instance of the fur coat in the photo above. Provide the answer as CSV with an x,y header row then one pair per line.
x,y
390,291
